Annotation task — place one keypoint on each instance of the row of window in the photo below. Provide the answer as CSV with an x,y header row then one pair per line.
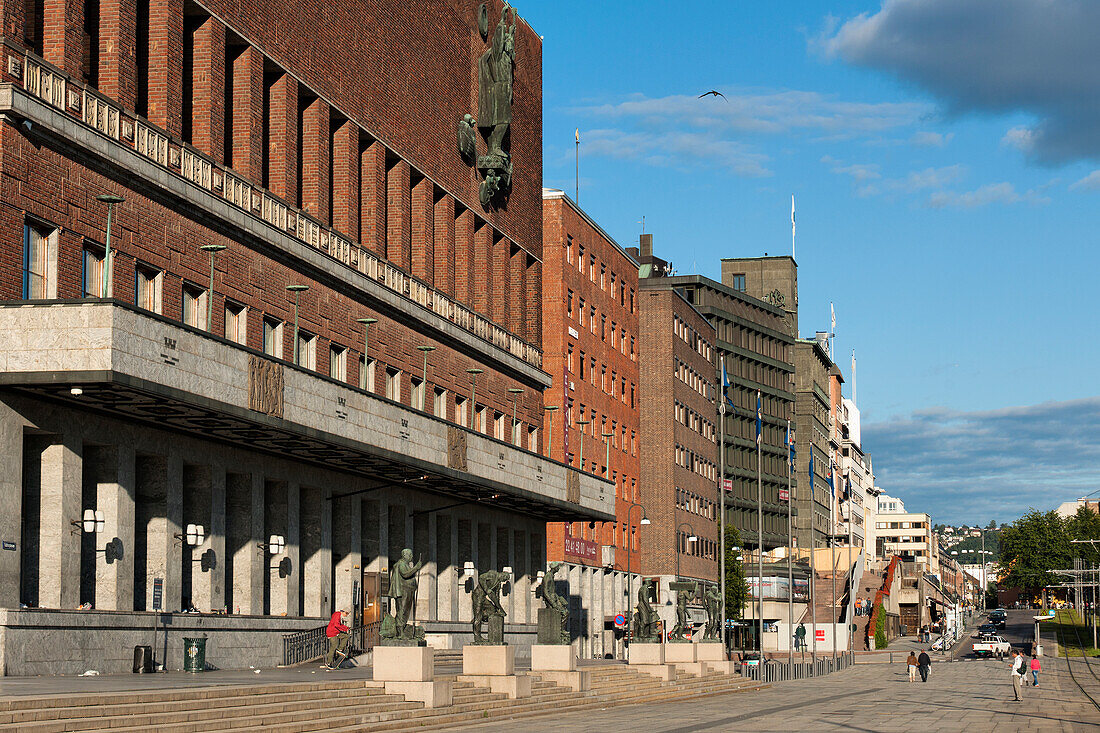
x,y
692,419
589,317
614,286
754,371
694,379
697,464
901,525
692,502
692,338
611,384
754,341
701,547
620,536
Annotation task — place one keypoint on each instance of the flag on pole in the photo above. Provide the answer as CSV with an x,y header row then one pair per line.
x,y
759,418
832,483
790,445
792,217
811,466
725,377
577,134
832,319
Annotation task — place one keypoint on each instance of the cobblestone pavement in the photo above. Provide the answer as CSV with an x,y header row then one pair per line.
x,y
967,695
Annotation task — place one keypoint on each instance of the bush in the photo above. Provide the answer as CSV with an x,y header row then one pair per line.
x,y
880,627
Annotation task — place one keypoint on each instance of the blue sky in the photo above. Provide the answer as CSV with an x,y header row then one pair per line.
x,y
940,152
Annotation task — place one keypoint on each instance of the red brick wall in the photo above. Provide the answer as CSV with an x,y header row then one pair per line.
x,y
560,220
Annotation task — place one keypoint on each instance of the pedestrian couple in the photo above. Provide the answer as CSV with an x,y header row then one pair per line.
x,y
920,664
1020,668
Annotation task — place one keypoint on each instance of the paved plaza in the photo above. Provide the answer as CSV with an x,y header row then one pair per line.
x,y
968,695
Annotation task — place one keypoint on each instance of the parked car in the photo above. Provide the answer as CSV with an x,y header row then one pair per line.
x,y
992,646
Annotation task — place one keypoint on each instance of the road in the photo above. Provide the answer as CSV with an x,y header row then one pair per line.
x,y
1019,630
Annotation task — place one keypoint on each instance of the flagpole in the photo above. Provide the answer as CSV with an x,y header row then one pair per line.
x,y
832,546
792,226
722,499
813,559
760,527
790,560
577,190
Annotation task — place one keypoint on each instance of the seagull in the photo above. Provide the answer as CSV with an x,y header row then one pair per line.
x,y
714,93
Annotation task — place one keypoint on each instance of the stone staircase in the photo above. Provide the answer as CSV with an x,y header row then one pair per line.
x,y
823,591
871,583
338,705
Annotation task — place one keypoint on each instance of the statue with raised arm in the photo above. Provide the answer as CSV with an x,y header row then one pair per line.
x,y
554,602
485,600
645,619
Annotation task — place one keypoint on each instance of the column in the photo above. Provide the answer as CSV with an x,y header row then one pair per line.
x,y
517,292
481,288
522,577
446,576
11,498
246,143
444,220
293,551
464,256
398,214
372,216
63,34
115,497
159,515
118,51
421,546
315,554
430,586
166,65
59,545
198,584
347,542
423,230
246,562
282,135
465,551
502,276
208,88
215,537
315,159
345,179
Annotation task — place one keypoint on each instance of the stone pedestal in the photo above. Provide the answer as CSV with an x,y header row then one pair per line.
x,y
512,685
677,653
549,626
646,654
404,663
434,694
553,657
577,680
488,660
709,651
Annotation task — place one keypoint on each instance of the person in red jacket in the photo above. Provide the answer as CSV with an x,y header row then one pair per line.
x,y
339,636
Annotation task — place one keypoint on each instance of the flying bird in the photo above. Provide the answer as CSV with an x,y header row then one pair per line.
x,y
714,93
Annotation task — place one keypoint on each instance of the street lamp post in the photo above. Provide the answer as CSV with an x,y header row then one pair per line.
x,y
582,423
515,392
424,378
630,543
550,429
297,290
110,200
211,248
473,372
691,539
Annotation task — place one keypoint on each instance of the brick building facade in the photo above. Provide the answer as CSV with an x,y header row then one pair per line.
x,y
237,125
590,346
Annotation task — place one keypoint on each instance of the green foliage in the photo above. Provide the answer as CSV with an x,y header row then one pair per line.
x,y
880,627
969,549
737,591
1033,546
1085,525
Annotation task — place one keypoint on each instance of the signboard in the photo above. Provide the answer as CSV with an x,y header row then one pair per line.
x,y
784,495
727,484
9,545
583,549
158,594
620,621
820,634
776,588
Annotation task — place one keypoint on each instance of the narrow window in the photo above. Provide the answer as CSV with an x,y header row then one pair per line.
x,y
194,306
417,392
462,416
439,402
148,288
236,329
366,374
393,384
92,285
273,337
307,349
338,362
498,426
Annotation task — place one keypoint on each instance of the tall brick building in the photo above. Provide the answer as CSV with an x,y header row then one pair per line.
x,y
590,340
679,434
172,388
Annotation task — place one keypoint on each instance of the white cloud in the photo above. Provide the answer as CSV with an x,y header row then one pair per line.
x,y
915,181
858,172
1005,56
926,139
673,149
1021,138
990,193
1091,182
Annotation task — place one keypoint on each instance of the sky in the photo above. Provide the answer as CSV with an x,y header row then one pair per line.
x,y
945,160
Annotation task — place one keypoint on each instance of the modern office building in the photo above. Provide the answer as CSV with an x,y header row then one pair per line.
x,y
269,322
813,437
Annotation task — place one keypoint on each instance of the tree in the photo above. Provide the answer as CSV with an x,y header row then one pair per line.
x,y
1085,525
992,524
737,591
1033,546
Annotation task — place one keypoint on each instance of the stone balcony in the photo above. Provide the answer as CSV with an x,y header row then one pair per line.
x,y
111,357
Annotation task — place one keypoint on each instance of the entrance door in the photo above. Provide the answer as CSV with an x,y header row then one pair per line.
x,y
372,598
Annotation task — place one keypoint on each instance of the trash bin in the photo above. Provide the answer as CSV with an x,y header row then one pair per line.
x,y
143,659
194,654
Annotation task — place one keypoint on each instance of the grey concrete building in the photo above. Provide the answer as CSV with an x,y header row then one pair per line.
x,y
812,437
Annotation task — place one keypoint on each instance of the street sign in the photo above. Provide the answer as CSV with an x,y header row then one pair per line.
x,y
9,545
727,484
158,594
620,621
784,495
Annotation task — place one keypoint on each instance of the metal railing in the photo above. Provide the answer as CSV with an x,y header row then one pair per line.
x,y
311,644
778,671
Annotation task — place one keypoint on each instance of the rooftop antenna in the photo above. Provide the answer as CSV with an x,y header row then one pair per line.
x,y
854,377
792,226
642,222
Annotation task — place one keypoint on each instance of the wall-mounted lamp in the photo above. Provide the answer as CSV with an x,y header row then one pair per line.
x,y
91,523
507,569
538,580
193,534
113,551
275,545
468,569
76,391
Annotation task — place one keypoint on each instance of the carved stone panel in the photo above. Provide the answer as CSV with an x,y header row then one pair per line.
x,y
265,386
456,449
573,487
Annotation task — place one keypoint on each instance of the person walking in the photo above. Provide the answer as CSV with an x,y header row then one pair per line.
x,y
911,663
339,636
1019,669
924,663
1035,669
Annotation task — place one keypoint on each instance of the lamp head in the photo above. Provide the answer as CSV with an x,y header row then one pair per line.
x,y
474,370
549,408
212,247
297,288
515,390
109,198
366,321
425,349
645,521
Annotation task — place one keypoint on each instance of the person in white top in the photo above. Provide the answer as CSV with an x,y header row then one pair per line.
x,y
1019,670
